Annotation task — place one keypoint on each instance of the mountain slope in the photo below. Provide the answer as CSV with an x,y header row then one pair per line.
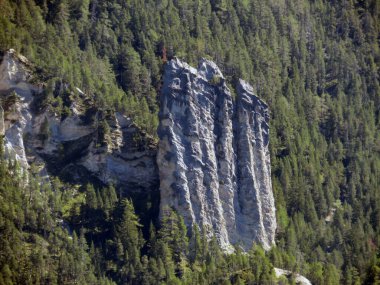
x,y
314,62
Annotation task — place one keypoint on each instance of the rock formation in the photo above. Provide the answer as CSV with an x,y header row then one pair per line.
x,y
72,146
213,156
212,163
15,100
299,279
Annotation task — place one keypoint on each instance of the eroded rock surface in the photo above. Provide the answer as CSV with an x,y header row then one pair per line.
x,y
15,100
212,163
213,156
72,146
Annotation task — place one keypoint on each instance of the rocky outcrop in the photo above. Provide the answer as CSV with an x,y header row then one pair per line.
x,y
75,146
213,156
15,100
299,279
212,163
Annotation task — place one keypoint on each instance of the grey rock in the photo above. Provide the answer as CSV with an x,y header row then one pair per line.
x,y
213,156
70,147
212,163
14,74
299,279
2,127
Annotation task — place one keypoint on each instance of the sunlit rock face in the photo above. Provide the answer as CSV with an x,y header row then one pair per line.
x,y
213,156
17,94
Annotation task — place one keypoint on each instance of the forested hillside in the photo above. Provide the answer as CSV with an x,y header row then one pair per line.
x,y
316,64
39,246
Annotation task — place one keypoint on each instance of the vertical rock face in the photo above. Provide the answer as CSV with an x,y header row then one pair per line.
x,y
213,155
254,187
16,97
213,158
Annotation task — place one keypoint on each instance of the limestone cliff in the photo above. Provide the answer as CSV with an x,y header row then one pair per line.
x,y
212,163
73,146
213,156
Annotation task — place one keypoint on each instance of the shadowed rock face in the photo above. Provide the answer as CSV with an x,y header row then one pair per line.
x,y
70,147
213,156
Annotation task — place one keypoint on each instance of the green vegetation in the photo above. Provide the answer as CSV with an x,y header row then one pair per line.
x,y
315,63
58,234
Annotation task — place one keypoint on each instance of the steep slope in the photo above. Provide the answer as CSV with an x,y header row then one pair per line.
x,y
14,75
315,63
213,156
87,144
